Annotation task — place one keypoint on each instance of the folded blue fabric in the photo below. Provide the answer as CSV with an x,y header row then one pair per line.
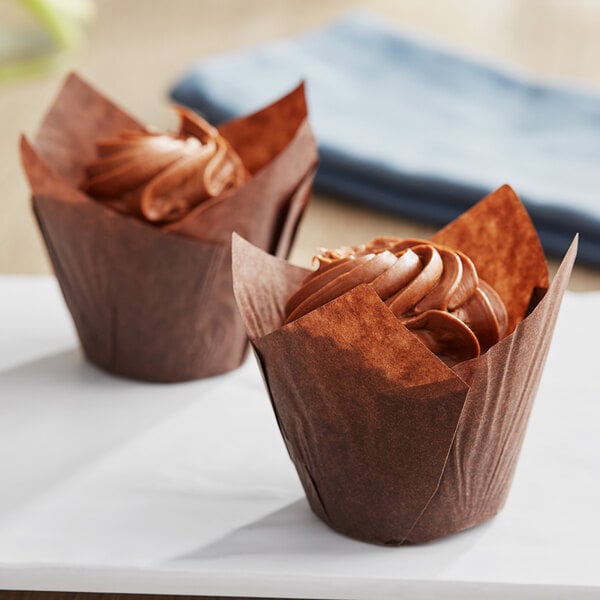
x,y
409,127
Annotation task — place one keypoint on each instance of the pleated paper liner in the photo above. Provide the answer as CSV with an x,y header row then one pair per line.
x,y
391,445
157,303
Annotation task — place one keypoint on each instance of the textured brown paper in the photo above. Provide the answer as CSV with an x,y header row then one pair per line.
x,y
391,445
157,303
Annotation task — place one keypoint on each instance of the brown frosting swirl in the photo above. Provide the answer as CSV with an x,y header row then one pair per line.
x,y
433,290
160,177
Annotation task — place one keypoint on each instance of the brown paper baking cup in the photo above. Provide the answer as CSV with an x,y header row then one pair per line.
x,y
157,303
391,445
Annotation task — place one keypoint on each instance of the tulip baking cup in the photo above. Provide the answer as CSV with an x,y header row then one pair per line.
x,y
156,303
391,445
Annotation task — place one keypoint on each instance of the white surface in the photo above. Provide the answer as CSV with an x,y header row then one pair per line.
x,y
112,485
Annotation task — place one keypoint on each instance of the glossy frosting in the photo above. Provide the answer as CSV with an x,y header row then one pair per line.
x,y
160,177
433,290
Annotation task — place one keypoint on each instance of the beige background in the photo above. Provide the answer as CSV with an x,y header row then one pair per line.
x,y
136,48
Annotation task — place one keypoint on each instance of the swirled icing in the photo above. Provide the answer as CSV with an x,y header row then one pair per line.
x,y
160,177
434,291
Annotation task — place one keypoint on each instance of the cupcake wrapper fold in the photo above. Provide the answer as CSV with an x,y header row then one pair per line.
x,y
391,445
157,303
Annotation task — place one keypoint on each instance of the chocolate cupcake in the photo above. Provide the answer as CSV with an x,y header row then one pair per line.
x,y
138,224
403,390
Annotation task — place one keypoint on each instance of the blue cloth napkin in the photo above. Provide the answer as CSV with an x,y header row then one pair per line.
x,y
410,127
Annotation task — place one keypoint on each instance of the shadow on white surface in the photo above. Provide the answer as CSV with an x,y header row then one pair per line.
x,y
74,413
294,534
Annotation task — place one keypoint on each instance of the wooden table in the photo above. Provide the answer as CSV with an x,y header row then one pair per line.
x,y
135,49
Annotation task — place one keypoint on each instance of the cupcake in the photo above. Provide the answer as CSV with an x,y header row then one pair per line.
x,y
403,391
138,224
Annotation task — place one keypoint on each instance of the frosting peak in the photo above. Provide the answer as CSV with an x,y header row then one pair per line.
x,y
160,177
433,290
